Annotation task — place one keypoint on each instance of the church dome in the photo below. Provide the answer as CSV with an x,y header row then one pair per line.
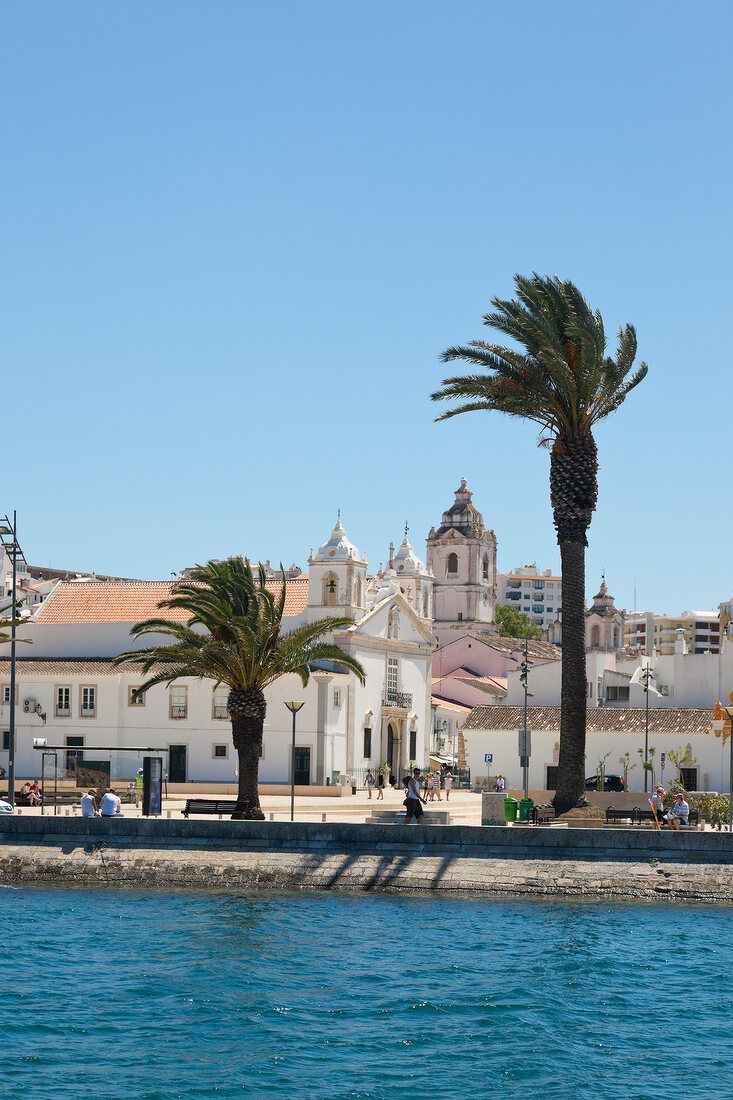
x,y
406,562
463,516
338,547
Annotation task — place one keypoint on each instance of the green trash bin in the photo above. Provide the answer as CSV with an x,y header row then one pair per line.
x,y
525,806
510,809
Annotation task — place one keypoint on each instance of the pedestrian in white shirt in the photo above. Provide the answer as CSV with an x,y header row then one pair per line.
x,y
448,785
111,804
680,812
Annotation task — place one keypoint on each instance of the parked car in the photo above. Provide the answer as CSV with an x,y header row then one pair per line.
x,y
610,783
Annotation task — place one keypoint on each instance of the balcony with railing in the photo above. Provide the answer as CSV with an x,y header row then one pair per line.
x,y
63,712
179,710
89,712
221,712
400,699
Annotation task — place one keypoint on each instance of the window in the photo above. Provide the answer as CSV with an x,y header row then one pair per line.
x,y
452,565
595,637
178,702
6,740
134,698
330,590
537,608
617,691
88,702
460,616
538,584
63,702
393,624
220,752
486,567
413,744
337,697
514,595
367,743
392,669
6,694
219,699
689,778
74,752
552,771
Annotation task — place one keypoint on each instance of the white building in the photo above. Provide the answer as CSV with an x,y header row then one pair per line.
x,y
610,735
343,728
537,593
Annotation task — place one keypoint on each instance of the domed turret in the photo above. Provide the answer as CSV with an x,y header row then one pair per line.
x,y
337,577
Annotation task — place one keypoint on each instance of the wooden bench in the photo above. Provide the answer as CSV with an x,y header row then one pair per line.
x,y
209,806
638,816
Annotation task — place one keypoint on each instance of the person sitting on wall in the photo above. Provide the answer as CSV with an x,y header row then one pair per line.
x,y
680,812
499,783
23,796
35,796
111,804
89,805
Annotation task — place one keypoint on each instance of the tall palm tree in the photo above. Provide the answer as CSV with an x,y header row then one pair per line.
x,y
233,635
561,378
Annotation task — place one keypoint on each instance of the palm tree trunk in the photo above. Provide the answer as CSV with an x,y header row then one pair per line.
x,y
573,493
571,763
247,712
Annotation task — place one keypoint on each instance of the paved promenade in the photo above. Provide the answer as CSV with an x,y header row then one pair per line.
x,y
464,807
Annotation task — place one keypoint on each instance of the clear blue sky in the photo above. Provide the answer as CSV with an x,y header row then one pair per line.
x,y
237,236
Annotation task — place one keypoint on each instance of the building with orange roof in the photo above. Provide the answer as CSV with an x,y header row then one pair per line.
x,y
69,690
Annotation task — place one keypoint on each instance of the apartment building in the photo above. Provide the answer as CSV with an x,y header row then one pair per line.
x,y
537,593
645,632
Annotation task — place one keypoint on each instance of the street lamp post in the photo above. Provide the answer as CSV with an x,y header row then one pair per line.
x,y
10,529
647,676
293,707
523,679
729,712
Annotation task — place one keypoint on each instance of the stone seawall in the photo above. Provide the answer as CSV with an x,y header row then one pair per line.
x,y
232,855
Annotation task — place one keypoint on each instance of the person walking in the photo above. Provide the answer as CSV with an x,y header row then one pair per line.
x,y
414,807
369,781
380,786
448,785
436,786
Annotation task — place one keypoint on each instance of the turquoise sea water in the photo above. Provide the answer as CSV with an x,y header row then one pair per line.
x,y
167,995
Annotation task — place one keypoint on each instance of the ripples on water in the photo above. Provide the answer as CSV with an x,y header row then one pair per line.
x,y
160,996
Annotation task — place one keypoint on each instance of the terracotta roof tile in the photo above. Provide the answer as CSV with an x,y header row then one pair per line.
x,y
30,668
535,647
101,602
598,719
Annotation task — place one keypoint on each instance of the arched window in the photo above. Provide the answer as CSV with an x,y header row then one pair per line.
x,y
595,637
615,637
485,569
330,590
425,605
452,564
393,624
357,592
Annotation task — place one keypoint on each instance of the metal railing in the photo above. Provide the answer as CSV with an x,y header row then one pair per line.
x,y
179,712
63,712
221,712
397,699
88,712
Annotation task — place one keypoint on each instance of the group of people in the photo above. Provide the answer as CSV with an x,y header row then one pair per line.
x,y
679,814
431,785
107,806
29,794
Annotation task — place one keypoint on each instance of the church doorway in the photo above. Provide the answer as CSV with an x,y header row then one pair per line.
x,y
390,747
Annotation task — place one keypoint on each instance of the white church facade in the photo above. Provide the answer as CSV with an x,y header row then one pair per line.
x,y
69,692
